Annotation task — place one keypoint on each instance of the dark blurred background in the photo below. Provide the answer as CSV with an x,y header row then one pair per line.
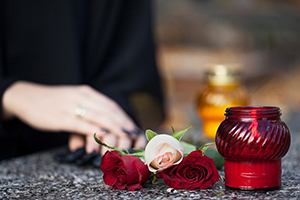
x,y
263,36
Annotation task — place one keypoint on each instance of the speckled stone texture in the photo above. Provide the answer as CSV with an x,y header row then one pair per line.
x,y
38,176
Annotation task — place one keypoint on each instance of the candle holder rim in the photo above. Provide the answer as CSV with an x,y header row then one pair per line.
x,y
247,109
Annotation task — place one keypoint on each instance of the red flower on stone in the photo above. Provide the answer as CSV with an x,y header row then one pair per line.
x,y
123,172
195,171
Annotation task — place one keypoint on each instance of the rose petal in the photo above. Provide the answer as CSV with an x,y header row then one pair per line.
x,y
133,187
195,171
111,160
168,148
152,151
136,169
166,157
121,179
213,175
127,172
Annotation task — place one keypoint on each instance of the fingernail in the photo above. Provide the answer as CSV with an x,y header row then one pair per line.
x,y
125,131
105,130
134,132
137,132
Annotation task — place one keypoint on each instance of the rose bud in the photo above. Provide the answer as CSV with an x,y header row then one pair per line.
x,y
163,151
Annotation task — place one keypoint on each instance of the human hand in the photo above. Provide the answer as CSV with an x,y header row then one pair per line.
x,y
51,108
79,156
77,141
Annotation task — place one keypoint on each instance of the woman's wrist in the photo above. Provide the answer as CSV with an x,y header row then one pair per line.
x,y
8,101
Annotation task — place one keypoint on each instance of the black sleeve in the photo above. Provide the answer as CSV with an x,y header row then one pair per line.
x,y
4,82
127,71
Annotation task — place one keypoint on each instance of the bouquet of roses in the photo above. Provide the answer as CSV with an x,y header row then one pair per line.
x,y
180,164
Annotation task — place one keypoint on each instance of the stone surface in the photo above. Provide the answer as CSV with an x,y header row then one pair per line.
x,y
38,176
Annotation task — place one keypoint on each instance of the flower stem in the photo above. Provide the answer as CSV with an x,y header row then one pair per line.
x,y
103,144
222,179
154,179
204,147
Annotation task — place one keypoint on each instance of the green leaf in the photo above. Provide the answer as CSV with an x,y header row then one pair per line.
x,y
187,148
215,155
150,134
140,150
204,147
173,130
178,135
138,154
103,144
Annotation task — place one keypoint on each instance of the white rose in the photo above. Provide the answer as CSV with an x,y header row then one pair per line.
x,y
163,151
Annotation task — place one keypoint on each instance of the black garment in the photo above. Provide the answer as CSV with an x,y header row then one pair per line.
x,y
103,43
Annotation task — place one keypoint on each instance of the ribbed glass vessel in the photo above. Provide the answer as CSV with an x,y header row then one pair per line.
x,y
253,140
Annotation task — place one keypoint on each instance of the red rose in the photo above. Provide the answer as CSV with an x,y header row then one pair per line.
x,y
123,172
195,171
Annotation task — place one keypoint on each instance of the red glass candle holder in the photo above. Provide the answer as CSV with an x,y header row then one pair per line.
x,y
252,141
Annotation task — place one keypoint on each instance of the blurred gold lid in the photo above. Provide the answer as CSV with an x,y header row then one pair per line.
x,y
224,74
